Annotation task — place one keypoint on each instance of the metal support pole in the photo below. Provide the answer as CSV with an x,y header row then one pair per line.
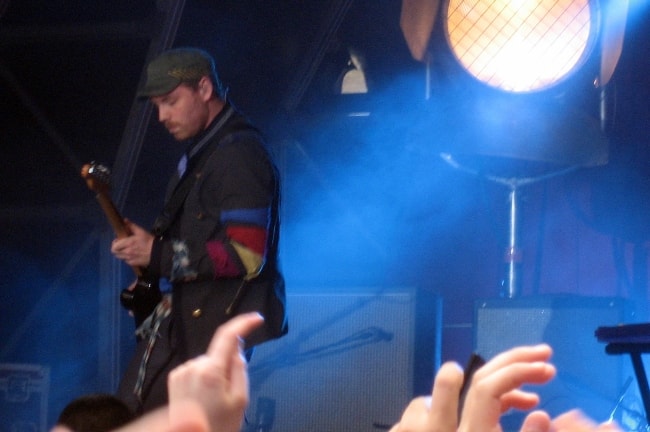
x,y
511,284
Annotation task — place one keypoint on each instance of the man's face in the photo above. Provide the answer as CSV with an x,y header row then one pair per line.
x,y
183,111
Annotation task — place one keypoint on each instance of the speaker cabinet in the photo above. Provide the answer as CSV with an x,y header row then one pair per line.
x,y
24,390
349,362
587,377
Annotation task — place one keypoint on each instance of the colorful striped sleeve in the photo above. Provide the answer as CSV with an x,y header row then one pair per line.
x,y
244,250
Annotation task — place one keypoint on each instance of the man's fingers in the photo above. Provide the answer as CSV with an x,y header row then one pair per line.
x,y
609,426
227,336
445,395
491,393
239,381
573,420
576,421
415,416
519,399
513,376
523,354
438,412
536,421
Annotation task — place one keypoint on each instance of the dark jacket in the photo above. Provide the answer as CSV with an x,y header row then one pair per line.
x,y
237,173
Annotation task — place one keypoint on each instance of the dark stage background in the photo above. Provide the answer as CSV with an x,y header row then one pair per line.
x,y
373,217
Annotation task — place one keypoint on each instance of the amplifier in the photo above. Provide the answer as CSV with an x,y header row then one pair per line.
x,y
350,362
587,377
24,392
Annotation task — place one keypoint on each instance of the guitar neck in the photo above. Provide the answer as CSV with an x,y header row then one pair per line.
x,y
114,217
117,223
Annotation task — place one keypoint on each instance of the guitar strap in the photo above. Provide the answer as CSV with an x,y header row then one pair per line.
x,y
177,198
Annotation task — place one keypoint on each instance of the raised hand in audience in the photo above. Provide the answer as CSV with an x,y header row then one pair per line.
x,y
495,388
209,393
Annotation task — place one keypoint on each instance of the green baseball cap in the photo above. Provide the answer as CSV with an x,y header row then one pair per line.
x,y
174,67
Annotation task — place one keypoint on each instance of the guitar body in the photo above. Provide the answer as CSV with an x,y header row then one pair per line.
x,y
142,299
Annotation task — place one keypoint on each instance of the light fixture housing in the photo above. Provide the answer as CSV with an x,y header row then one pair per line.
x,y
521,46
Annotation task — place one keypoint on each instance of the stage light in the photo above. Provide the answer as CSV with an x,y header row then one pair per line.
x,y
529,128
354,77
521,46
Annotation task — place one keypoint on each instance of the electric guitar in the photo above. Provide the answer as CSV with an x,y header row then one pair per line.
x,y
143,298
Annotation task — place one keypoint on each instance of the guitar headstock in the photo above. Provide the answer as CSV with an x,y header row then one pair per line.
x,y
98,177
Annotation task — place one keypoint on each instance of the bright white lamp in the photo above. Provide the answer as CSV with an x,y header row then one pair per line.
x,y
520,45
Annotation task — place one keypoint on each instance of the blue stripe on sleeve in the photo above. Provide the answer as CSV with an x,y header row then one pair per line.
x,y
258,216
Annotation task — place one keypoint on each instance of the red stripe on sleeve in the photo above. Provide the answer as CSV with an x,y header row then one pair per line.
x,y
254,238
224,266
